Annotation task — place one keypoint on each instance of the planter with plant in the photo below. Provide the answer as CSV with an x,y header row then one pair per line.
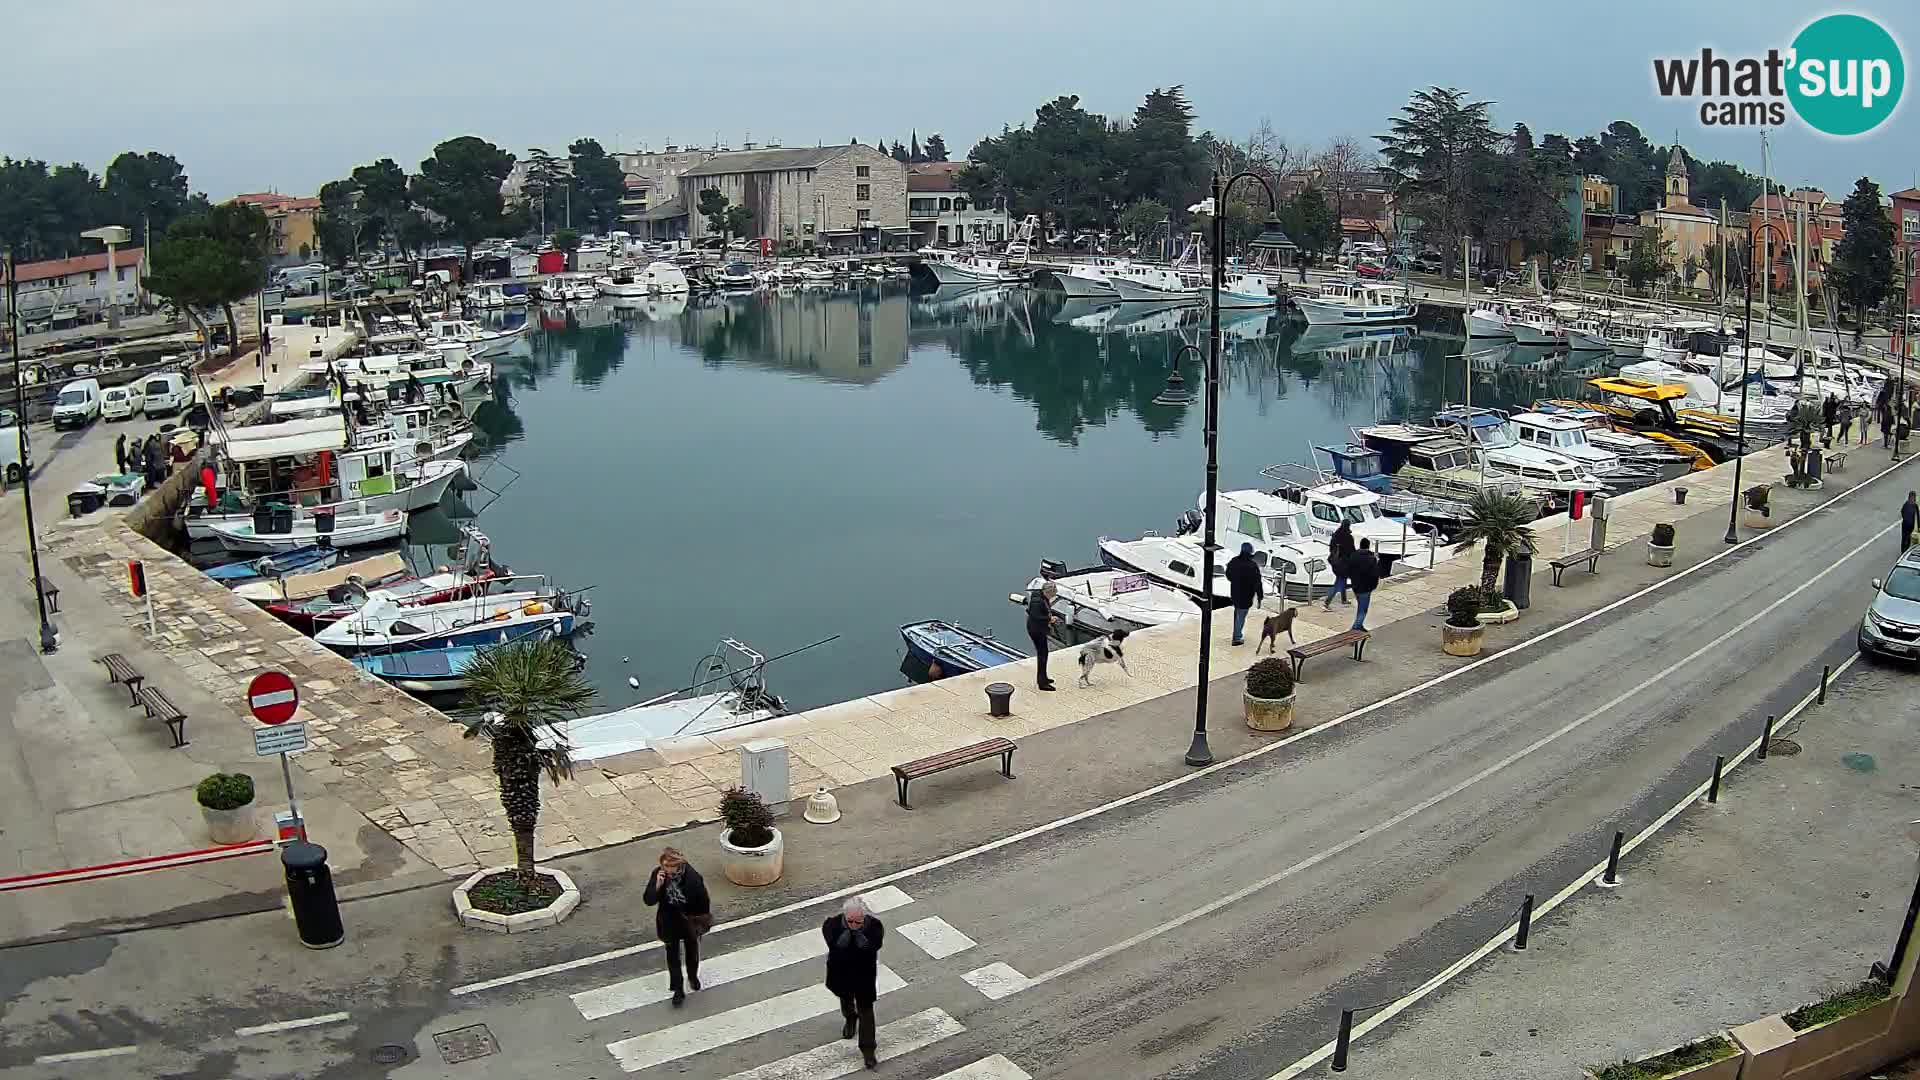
x,y
226,803
1756,507
1496,609
1462,634
1269,694
1712,1058
752,851
1497,521
1660,546
1840,1020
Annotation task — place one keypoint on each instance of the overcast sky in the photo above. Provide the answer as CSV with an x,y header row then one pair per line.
x,y
268,95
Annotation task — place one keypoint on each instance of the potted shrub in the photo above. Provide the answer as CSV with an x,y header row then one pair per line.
x,y
1462,634
1757,510
1660,545
753,851
226,802
1498,522
1269,695
1495,608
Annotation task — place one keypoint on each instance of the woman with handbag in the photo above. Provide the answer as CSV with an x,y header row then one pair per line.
x,y
683,913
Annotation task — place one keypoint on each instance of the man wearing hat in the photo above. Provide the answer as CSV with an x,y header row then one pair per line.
x,y
1243,578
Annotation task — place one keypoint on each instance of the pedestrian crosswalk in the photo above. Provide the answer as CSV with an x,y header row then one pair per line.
x,y
709,1044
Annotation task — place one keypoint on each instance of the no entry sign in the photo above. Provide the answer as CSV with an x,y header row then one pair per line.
x,y
272,697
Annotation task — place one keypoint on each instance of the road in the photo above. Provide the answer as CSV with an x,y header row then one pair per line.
x,y
1214,930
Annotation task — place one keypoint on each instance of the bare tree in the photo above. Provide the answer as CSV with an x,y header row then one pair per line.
x,y
1343,168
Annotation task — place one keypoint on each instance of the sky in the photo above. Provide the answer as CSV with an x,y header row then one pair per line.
x,y
271,96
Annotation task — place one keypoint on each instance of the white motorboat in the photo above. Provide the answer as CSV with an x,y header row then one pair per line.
x,y
1534,325
968,268
352,530
1282,535
619,281
1504,457
1100,600
735,275
729,691
1093,279
1568,436
1356,302
1331,502
478,339
1172,562
1487,319
499,612
1248,289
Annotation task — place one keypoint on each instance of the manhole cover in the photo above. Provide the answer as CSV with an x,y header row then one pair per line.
x,y
465,1044
390,1054
1783,747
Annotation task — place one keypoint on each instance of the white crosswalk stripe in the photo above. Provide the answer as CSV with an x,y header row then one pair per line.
x,y
936,937
710,1032
997,980
842,1058
987,1068
719,970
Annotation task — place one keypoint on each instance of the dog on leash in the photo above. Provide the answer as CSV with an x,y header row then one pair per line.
x,y
1273,627
1106,650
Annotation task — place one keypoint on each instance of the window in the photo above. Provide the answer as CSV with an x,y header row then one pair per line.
x,y
862,192
93,277
946,204
1180,568
960,205
864,215
123,273
862,170
1325,512
1249,524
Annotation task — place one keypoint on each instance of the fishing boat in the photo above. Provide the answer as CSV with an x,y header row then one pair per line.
x,y
1488,319
1177,284
352,530
1567,436
479,340
297,561
734,275
1091,280
371,572
729,690
1356,302
504,608
311,614
971,268
1248,290
946,648
1098,600
432,671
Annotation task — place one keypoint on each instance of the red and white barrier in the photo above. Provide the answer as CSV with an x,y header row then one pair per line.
x,y
135,866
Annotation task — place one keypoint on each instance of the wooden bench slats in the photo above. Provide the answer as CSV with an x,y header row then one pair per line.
x,y
1590,556
160,708
121,672
1300,654
909,771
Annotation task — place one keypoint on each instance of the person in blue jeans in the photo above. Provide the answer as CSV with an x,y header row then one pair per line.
x,y
1363,575
1245,589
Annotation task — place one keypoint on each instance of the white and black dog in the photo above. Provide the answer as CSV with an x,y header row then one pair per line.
x,y
1106,650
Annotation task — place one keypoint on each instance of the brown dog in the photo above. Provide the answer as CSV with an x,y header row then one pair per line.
x,y
1274,626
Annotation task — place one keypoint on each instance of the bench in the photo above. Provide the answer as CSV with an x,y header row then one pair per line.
x,y
1300,654
47,589
927,766
159,708
121,672
1590,556
1836,461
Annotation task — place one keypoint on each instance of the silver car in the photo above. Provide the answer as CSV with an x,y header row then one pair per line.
x,y
1892,623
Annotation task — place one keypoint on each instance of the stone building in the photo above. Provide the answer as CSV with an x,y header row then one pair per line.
x,y
942,215
290,221
845,198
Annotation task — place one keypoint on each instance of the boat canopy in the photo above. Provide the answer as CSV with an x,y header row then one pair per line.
x,y
1640,388
292,437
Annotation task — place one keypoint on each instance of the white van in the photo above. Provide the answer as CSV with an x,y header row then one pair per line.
x,y
165,394
119,402
78,404
12,462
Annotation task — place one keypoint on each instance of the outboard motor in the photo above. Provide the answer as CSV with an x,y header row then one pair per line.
x,y
1052,568
1187,523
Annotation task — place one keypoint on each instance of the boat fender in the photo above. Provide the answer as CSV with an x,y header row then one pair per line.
x,y
501,613
534,608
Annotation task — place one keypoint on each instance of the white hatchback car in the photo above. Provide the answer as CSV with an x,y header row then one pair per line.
x,y
119,402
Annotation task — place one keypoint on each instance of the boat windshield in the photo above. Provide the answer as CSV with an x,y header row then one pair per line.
x,y
1904,583
1287,526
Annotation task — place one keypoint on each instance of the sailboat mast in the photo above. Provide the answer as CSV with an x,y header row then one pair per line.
x,y
1466,314
1766,237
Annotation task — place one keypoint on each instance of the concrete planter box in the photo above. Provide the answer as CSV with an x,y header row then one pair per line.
x,y
753,866
1834,1045
1727,1068
1462,640
1755,519
550,915
235,826
1506,614
1269,714
1658,555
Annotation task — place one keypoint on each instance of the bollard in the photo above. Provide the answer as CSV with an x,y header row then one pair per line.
x,y
1612,876
1526,925
1713,789
1826,672
1766,736
1341,1040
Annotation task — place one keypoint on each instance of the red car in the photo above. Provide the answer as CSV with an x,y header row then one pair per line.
x,y
1367,268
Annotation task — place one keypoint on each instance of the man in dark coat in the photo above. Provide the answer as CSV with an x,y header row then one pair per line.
x,y
1909,518
1040,617
853,970
684,912
1363,573
1339,549
1243,580
1829,416
120,453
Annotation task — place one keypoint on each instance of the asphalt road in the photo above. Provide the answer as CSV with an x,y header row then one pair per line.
x,y
1214,931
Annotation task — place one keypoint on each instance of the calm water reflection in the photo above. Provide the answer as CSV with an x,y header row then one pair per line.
x,y
782,468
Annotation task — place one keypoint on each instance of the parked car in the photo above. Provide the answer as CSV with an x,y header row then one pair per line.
x,y
1368,268
165,393
77,405
1891,626
119,402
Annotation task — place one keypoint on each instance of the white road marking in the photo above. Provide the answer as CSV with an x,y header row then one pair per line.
x,y
289,1025
936,937
715,971
711,1032
1188,777
1592,875
997,981
830,1061
996,1067
880,899
85,1055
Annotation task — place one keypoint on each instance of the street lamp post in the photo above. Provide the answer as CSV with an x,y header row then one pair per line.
x,y
49,638
1746,358
1199,753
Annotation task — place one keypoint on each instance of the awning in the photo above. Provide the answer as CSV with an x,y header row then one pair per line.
x,y
308,436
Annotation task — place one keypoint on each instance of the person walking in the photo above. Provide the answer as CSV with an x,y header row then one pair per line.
x,y
120,454
1339,550
1245,589
1040,618
1363,573
853,970
1846,424
1909,517
683,913
1886,424
1829,416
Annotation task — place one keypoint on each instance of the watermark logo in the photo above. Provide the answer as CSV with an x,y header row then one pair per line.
x,y
1843,75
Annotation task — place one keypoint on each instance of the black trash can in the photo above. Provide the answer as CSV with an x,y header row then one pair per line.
x,y
316,912
999,699
1518,585
1813,465
282,518
262,519
323,521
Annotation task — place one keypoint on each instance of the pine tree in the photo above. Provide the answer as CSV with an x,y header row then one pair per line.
x,y
899,152
936,147
1863,260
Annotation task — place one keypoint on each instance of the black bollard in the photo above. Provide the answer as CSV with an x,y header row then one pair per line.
x,y
316,911
1341,1041
1526,925
1713,789
1766,736
1612,876
1826,672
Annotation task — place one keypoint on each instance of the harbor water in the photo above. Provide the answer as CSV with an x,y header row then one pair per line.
x,y
784,467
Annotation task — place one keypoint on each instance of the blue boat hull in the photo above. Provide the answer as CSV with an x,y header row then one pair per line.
x,y
945,649
299,561
561,624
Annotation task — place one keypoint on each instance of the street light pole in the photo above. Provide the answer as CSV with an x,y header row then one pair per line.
x,y
49,638
1746,357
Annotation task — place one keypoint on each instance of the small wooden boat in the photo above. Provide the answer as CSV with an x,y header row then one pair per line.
x,y
371,572
357,530
297,561
948,649
428,671
315,614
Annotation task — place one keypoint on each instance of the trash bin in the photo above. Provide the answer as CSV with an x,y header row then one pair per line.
x,y
1518,585
262,519
282,518
316,912
1679,495
1812,465
323,520
999,699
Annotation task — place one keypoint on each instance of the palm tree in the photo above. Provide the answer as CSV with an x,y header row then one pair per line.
x,y
526,687
1499,521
